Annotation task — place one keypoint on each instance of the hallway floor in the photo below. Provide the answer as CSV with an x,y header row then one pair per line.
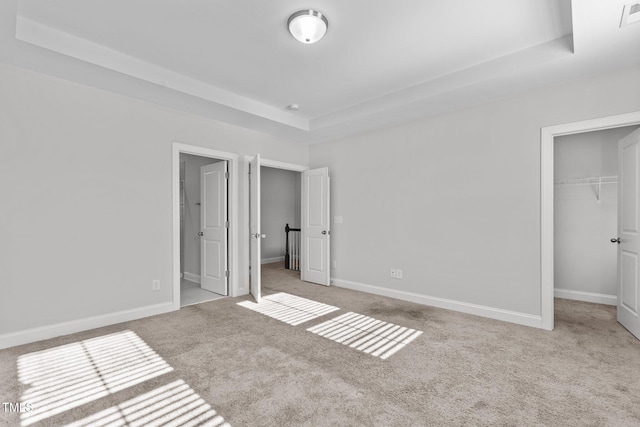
x,y
191,293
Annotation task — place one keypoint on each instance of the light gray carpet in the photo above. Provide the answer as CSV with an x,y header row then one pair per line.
x,y
254,370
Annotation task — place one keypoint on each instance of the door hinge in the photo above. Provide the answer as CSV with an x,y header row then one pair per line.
x,y
226,175
226,273
226,224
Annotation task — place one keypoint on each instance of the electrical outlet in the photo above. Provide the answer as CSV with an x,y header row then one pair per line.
x,y
393,273
334,264
155,285
398,274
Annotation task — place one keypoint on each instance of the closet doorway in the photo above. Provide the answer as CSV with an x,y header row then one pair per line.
x,y
586,215
628,170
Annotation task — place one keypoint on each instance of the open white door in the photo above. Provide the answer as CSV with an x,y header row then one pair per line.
x,y
316,232
628,231
254,229
213,225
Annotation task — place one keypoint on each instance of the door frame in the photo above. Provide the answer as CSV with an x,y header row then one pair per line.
x,y
547,136
271,164
232,158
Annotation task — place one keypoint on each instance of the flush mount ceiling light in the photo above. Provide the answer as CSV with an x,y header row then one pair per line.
x,y
307,26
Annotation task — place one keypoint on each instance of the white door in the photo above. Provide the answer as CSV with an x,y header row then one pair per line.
x,y
213,227
316,232
628,231
254,229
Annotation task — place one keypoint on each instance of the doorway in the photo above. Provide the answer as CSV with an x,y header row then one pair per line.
x,y
548,136
200,183
253,275
189,202
315,222
586,215
280,206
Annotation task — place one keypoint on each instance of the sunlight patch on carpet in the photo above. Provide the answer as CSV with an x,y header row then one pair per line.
x,y
68,376
372,336
288,308
172,405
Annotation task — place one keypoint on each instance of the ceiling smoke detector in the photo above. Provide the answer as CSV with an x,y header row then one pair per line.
x,y
308,26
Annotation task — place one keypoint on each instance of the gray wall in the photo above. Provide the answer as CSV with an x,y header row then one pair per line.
x,y
280,204
86,184
584,258
454,200
191,240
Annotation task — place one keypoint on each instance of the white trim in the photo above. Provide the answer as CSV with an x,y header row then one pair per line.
x,y
272,260
234,217
278,164
547,136
586,296
47,37
525,319
65,328
195,278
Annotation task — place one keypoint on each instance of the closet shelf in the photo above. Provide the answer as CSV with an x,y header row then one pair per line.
x,y
593,180
589,180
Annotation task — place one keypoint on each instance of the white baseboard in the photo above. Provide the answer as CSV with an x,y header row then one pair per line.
x,y
525,319
585,296
192,277
271,260
65,328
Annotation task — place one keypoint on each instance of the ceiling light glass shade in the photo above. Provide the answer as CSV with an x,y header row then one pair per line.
x,y
308,26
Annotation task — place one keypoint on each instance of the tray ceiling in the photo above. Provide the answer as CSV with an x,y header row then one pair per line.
x,y
381,63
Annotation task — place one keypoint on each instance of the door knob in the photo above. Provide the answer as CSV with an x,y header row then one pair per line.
x,y
324,231
200,233
615,240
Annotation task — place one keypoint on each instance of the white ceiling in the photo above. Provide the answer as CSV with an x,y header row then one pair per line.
x,y
381,62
